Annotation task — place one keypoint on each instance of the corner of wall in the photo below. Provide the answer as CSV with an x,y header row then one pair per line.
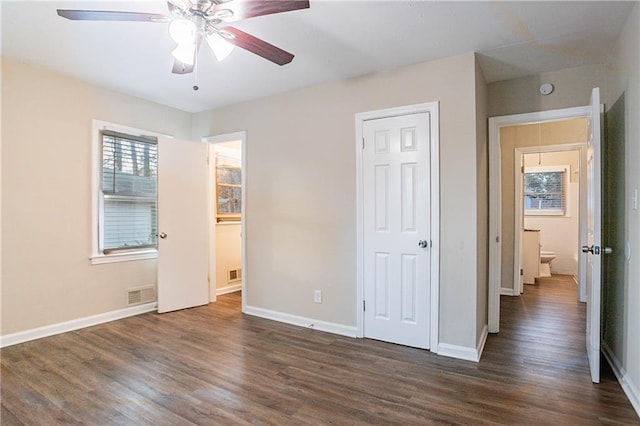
x,y
482,203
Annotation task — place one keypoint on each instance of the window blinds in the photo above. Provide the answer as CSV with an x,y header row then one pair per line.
x,y
129,190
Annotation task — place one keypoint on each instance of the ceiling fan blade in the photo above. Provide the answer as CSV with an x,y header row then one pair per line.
x,y
258,46
244,9
104,15
181,67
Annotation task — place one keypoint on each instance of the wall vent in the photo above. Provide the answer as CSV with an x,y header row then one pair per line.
x,y
136,296
234,275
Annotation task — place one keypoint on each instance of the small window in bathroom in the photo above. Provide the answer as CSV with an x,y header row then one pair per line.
x,y
545,190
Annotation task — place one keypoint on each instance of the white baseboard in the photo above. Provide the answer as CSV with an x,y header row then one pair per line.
x,y
63,327
630,389
228,289
343,330
483,340
459,352
506,291
464,352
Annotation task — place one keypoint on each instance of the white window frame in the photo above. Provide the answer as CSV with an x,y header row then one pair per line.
x,y
565,188
97,218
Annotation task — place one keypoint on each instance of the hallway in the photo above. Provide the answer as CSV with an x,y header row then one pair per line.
x,y
541,344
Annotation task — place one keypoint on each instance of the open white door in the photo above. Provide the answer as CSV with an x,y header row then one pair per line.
x,y
183,228
593,249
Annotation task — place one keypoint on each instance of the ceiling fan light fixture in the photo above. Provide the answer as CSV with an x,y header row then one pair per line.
x,y
183,31
221,47
185,53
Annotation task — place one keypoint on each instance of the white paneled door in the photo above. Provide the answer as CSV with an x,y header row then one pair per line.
x,y
396,229
183,225
594,236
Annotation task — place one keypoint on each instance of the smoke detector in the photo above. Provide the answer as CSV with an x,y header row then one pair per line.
x,y
546,88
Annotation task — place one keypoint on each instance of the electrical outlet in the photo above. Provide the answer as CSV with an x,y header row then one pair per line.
x,y
317,296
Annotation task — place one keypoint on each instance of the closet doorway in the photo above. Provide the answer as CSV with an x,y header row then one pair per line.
x,y
226,161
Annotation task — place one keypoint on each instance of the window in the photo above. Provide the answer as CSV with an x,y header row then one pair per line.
x,y
229,192
125,194
545,190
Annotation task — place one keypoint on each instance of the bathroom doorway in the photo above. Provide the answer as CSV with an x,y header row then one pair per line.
x,y
536,155
548,209
533,131
226,215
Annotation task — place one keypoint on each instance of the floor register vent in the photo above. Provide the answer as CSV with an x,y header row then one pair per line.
x,y
136,296
235,275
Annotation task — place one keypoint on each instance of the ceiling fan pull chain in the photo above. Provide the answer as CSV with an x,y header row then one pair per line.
x,y
195,72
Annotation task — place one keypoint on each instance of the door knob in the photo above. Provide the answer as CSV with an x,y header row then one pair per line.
x,y
163,235
423,244
594,249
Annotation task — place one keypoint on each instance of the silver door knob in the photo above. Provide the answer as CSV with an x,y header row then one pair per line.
x,y
163,235
594,249
423,244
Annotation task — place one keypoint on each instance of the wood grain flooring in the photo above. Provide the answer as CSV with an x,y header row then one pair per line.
x,y
213,365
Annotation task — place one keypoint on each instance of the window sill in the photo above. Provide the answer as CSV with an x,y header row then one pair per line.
x,y
556,213
99,259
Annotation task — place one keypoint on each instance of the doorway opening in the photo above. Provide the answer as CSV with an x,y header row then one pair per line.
x,y
526,130
549,208
589,229
549,194
227,181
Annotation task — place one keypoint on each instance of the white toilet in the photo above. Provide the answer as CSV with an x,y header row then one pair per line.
x,y
545,263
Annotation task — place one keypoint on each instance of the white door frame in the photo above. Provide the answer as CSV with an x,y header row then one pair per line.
x,y
582,209
434,141
495,197
230,137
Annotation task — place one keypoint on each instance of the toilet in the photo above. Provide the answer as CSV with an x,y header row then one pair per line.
x,y
547,256
545,263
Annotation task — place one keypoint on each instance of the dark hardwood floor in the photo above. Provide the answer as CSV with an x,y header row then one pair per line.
x,y
213,365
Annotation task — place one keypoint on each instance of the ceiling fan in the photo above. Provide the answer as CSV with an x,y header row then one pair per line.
x,y
192,21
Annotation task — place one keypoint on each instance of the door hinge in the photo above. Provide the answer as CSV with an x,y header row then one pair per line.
x,y
364,305
521,169
521,272
207,160
362,143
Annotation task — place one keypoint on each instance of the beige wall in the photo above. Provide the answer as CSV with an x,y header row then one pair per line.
x,y
482,189
301,201
622,320
572,89
228,252
560,233
553,133
46,188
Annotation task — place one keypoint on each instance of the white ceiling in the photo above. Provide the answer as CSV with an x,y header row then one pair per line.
x,y
332,40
